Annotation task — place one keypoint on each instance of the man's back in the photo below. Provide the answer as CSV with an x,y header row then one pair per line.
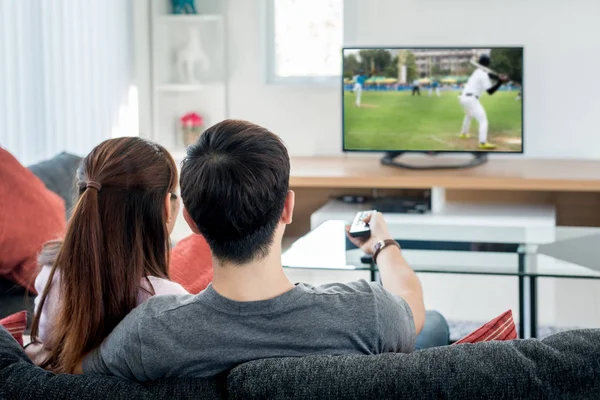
x,y
203,335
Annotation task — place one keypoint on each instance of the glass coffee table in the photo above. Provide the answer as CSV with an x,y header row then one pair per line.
x,y
447,249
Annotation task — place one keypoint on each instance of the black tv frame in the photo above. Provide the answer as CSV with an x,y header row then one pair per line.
x,y
479,157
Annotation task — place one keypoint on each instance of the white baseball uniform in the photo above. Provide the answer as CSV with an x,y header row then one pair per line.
x,y
477,84
358,86
358,91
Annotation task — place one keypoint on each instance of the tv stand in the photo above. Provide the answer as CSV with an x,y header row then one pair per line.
x,y
389,159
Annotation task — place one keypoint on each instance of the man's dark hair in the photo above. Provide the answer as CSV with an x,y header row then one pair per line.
x,y
234,182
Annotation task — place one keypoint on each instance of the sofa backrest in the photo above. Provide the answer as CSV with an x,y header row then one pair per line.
x,y
58,174
565,366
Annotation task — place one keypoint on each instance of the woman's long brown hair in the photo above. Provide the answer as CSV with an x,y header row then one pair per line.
x,y
116,236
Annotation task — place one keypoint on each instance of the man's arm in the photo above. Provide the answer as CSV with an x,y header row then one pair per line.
x,y
397,276
500,80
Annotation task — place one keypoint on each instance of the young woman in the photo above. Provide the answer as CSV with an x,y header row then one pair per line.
x,y
115,253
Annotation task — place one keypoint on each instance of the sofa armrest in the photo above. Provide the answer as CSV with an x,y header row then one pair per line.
x,y
22,380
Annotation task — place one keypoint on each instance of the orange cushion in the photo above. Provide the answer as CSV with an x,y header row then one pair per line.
x,y
30,216
15,324
500,328
191,264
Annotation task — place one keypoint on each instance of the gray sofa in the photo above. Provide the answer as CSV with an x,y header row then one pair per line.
x,y
58,174
562,366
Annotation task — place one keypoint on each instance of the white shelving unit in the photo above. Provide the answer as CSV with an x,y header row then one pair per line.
x,y
189,18
180,87
173,95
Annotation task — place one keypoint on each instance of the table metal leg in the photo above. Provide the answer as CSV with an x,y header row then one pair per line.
x,y
373,272
521,296
533,306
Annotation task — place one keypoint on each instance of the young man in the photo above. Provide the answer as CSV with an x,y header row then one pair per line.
x,y
479,82
235,188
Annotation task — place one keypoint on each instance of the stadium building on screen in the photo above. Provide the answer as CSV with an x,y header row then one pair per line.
x,y
448,61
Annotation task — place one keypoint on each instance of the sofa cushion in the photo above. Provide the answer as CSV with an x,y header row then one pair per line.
x,y
565,366
31,216
15,325
58,174
22,380
500,328
191,264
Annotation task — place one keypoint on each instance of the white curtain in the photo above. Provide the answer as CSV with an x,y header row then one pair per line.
x,y
65,74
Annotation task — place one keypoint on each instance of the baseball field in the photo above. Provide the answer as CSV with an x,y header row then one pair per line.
x,y
398,121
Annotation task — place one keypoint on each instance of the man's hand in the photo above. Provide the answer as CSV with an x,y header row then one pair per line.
x,y
379,231
504,77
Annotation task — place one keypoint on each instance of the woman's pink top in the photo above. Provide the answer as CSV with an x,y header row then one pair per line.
x,y
48,317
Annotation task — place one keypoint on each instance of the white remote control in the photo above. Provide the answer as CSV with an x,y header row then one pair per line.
x,y
359,228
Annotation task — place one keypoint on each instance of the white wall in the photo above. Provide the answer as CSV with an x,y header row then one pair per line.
x,y
561,45
142,67
308,118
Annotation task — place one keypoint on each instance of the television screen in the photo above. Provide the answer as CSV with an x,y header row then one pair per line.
x,y
433,99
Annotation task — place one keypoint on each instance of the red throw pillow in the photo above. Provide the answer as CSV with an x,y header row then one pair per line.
x,y
30,216
15,325
500,328
191,264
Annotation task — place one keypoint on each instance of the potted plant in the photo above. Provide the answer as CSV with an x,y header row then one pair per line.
x,y
191,127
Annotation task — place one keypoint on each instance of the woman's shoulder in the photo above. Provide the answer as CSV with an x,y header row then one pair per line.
x,y
158,286
43,276
164,286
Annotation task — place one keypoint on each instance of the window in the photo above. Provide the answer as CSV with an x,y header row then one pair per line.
x,y
65,79
304,40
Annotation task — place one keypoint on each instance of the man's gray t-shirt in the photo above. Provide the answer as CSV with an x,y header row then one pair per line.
x,y
203,335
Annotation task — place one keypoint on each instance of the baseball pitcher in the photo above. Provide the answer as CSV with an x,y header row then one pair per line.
x,y
359,82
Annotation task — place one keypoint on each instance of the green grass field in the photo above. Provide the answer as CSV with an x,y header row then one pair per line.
x,y
399,121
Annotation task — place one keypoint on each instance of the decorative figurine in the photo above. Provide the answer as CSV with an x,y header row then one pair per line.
x,y
190,56
183,6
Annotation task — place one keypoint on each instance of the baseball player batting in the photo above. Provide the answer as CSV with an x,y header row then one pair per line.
x,y
480,81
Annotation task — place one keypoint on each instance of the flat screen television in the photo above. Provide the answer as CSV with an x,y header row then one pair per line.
x,y
433,100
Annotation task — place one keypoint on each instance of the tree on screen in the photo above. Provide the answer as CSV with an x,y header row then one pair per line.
x,y
391,71
412,72
508,61
351,65
375,61
380,62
